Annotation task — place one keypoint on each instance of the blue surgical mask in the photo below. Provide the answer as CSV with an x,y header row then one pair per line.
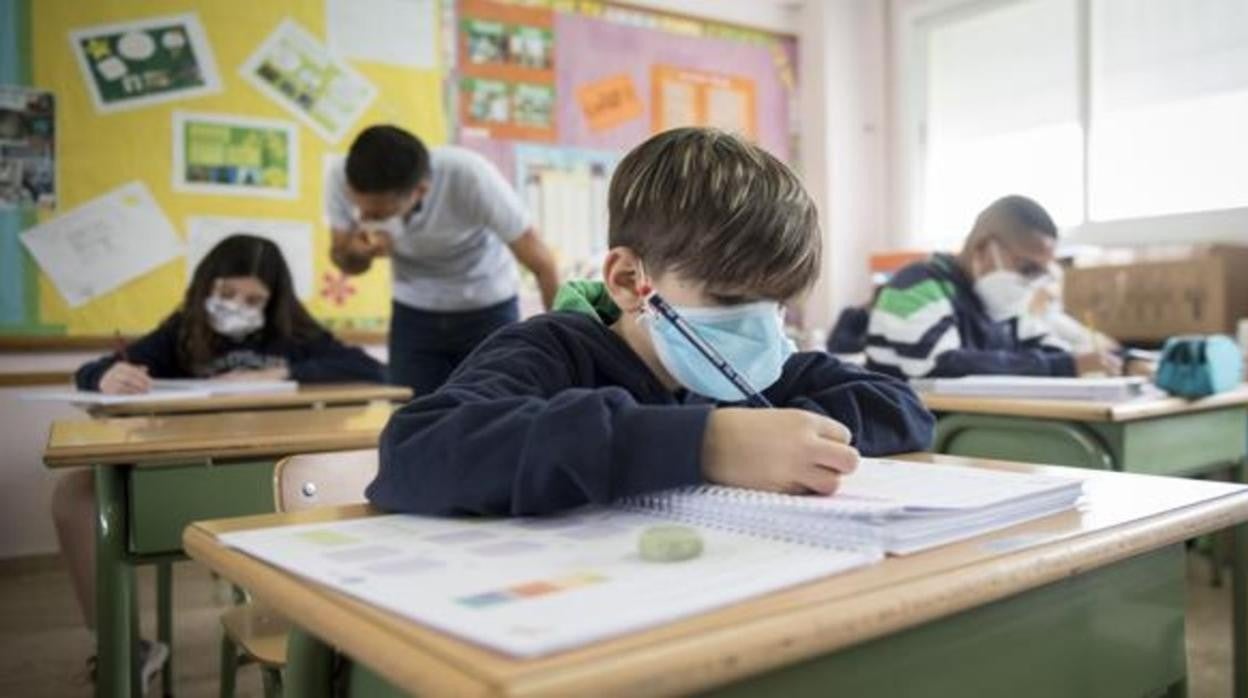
x,y
749,336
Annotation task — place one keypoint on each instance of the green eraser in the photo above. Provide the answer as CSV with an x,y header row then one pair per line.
x,y
669,543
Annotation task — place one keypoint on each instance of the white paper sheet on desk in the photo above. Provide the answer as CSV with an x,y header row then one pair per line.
x,y
104,243
529,587
90,397
407,36
219,386
293,238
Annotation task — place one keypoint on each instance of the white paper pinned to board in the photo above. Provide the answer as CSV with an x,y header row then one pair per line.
x,y
104,243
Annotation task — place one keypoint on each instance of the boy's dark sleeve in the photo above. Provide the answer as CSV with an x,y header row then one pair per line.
x,y
510,434
327,360
157,350
883,413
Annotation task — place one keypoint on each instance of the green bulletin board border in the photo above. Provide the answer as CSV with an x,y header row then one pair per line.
x,y
15,38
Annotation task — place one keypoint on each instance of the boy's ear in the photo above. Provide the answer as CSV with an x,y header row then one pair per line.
x,y
624,277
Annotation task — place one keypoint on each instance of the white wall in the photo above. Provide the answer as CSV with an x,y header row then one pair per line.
x,y
25,485
771,15
844,108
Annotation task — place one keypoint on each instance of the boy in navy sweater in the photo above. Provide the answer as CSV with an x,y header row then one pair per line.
x,y
963,315
603,399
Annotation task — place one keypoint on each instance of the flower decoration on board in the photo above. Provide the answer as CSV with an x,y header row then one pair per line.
x,y
336,288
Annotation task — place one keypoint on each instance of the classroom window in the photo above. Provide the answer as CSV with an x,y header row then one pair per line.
x,y
1169,107
1002,114
1101,110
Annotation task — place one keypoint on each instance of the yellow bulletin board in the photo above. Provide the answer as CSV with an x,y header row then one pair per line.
x,y
99,150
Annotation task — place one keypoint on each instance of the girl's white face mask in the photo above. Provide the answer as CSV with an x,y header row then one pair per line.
x,y
232,318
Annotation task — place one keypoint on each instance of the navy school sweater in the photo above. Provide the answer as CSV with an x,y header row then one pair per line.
x,y
929,322
321,359
558,411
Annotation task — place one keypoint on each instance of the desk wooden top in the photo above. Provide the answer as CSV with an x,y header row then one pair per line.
x,y
272,433
1124,515
1084,411
325,395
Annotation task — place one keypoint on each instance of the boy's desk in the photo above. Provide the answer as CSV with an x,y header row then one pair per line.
x,y
1084,603
307,396
153,475
1164,435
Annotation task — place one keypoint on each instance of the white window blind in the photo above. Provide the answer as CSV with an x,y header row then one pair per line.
x,y
1169,107
1002,115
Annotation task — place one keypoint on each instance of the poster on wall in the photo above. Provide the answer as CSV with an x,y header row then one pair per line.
x,y
408,36
685,97
124,226
507,69
565,190
294,69
235,155
609,102
134,64
27,148
292,237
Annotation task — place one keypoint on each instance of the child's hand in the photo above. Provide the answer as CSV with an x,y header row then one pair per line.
x,y
778,450
1098,364
125,379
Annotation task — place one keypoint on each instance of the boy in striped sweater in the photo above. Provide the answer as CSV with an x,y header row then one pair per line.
x,y
965,314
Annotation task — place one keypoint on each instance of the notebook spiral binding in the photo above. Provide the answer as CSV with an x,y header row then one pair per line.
x,y
790,518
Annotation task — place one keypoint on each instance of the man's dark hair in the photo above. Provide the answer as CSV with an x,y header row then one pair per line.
x,y
717,209
386,159
1016,215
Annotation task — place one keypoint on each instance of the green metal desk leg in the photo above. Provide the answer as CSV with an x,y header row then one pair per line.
x,y
309,666
116,609
1239,600
164,621
1021,439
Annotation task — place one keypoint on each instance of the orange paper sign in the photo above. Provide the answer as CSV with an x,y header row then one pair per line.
x,y
609,103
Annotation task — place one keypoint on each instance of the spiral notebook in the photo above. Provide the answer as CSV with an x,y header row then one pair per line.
x,y
896,507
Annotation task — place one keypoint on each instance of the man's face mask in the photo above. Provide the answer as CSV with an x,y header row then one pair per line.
x,y
392,226
750,337
232,318
1004,292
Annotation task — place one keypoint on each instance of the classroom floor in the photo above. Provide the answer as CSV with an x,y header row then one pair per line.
x,y
43,646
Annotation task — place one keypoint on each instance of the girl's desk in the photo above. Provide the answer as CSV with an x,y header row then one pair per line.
x,y
307,397
154,475
1088,602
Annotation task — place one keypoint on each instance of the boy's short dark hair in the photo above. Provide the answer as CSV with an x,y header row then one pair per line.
x,y
717,209
1017,215
386,159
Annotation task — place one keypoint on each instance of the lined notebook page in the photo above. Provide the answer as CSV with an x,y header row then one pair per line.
x,y
926,486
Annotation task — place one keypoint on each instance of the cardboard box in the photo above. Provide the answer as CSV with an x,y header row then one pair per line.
x,y
1205,293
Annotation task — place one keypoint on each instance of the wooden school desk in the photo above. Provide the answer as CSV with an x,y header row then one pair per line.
x,y
153,475
1163,435
316,396
1088,602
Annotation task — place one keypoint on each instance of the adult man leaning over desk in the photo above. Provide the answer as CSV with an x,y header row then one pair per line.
x,y
451,226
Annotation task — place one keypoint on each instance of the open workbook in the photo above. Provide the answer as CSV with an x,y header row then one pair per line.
x,y
168,389
531,586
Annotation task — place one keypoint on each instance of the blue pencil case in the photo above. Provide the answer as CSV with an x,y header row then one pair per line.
x,y
1196,366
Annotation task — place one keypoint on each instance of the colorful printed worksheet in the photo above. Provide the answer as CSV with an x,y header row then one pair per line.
x,y
530,587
